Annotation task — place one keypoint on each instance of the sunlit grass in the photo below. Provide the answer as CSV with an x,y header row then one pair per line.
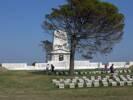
x,y
26,85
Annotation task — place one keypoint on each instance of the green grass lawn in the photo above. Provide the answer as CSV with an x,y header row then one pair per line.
x,y
25,85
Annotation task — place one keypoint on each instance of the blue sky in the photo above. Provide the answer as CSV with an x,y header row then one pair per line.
x,y
21,32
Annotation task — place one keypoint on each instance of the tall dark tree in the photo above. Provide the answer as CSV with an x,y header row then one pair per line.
x,y
92,26
47,47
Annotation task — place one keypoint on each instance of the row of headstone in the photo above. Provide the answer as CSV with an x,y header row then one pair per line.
x,y
118,71
80,82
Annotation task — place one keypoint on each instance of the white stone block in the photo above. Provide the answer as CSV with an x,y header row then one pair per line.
x,y
85,73
66,82
54,80
61,86
81,80
88,84
129,83
74,81
76,78
122,83
125,71
69,80
114,83
105,83
92,78
120,71
105,79
80,85
117,79
96,84
110,80
71,85
99,78
84,77
94,72
130,79
128,75
98,72
129,71
96,80
57,83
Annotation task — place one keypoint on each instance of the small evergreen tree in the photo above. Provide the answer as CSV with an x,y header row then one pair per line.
x,y
47,47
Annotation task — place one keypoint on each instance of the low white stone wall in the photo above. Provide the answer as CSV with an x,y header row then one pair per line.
x,y
40,66
118,64
101,65
94,65
24,66
131,63
81,64
14,66
63,65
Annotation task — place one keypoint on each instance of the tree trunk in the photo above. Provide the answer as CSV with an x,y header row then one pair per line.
x,y
72,54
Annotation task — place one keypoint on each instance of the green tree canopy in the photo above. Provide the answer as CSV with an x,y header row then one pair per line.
x,y
92,26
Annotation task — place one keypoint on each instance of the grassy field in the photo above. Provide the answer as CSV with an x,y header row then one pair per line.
x,y
22,85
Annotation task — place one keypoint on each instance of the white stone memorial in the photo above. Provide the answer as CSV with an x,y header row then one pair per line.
x,y
60,47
